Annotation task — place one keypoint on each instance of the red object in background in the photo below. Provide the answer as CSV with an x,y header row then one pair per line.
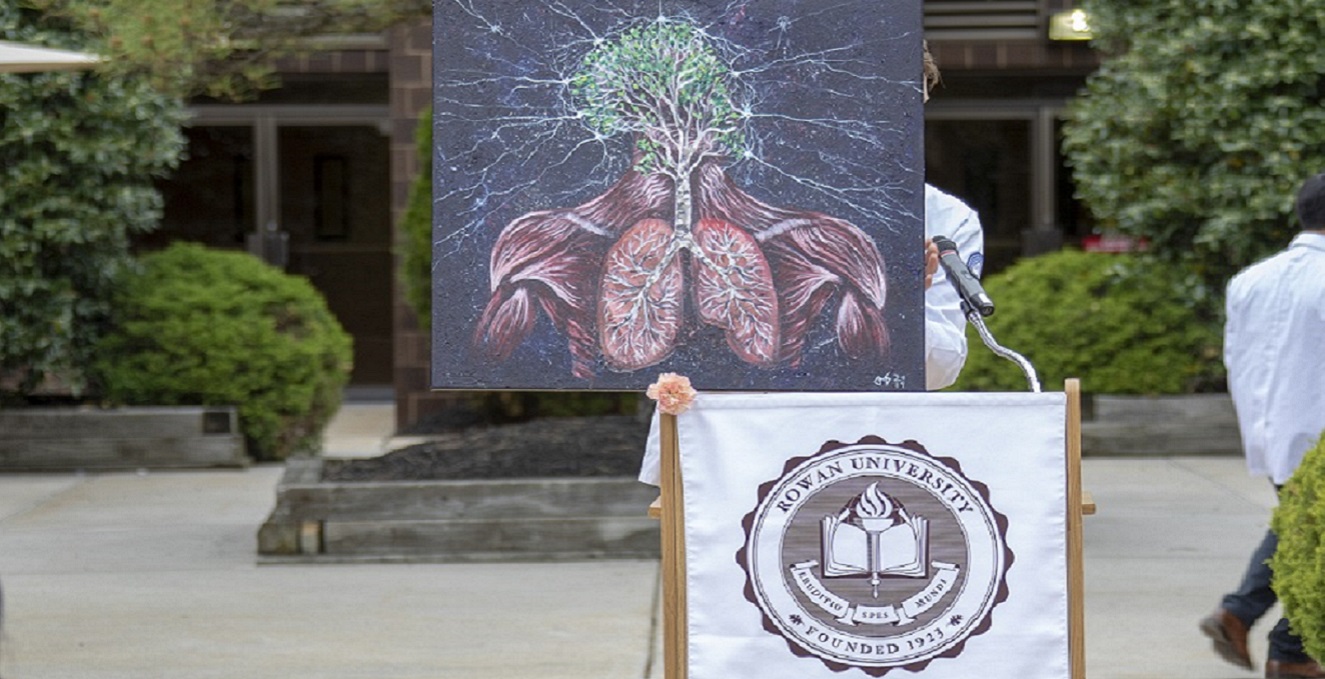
x,y
1115,243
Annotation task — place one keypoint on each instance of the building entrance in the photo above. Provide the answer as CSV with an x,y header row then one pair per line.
x,y
310,192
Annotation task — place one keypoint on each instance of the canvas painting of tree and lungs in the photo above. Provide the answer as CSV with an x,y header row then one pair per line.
x,y
728,190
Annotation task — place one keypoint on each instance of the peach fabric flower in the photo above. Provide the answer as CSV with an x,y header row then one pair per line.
x,y
673,393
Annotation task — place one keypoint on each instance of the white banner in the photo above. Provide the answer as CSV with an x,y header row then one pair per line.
x,y
833,535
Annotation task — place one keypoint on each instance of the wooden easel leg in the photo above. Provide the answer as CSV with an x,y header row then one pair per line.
x,y
673,554
1076,611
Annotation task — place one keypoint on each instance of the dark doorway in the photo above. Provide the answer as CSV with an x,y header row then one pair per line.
x,y
325,185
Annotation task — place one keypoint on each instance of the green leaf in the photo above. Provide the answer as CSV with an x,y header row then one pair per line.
x,y
79,155
1199,126
619,81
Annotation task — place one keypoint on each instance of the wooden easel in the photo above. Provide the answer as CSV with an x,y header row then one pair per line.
x,y
670,510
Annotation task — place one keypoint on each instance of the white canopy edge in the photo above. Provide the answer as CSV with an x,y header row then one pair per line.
x,y
21,58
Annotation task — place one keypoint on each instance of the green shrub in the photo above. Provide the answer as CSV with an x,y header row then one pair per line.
x,y
209,327
78,155
416,249
1298,563
1111,320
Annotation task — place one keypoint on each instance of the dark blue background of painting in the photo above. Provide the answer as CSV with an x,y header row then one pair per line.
x,y
515,47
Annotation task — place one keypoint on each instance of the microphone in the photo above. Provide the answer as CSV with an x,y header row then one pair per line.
x,y
968,286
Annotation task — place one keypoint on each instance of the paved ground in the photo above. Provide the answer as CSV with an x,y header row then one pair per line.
x,y
143,575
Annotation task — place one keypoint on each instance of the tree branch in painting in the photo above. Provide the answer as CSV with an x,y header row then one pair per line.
x,y
675,241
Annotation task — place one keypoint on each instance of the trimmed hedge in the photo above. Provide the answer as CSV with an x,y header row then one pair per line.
x,y
1111,320
210,327
1299,562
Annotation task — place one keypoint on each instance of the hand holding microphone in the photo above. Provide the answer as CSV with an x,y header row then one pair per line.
x,y
968,286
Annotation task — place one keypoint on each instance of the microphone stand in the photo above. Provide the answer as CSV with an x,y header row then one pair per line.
x,y
978,321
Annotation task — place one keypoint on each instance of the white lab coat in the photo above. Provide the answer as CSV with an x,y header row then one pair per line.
x,y
1274,348
945,324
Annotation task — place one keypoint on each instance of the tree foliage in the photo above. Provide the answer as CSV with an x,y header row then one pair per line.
x,y
1200,125
665,83
78,153
221,48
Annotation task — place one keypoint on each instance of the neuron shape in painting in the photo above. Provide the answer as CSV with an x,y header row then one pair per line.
x,y
675,241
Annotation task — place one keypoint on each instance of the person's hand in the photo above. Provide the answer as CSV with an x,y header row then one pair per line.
x,y
931,261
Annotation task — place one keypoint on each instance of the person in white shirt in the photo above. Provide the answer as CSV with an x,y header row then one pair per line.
x,y
1276,373
945,324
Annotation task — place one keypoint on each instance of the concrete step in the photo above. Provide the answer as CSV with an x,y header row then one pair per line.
x,y
504,519
48,439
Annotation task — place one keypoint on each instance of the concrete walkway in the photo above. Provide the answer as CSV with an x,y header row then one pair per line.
x,y
153,574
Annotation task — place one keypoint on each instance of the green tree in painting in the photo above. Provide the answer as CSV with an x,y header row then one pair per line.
x,y
664,84
612,273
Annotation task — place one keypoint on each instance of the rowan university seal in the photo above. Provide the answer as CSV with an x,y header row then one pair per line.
x,y
875,556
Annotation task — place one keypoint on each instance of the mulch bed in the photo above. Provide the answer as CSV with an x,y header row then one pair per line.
x,y
610,445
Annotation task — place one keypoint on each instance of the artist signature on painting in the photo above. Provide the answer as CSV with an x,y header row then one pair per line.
x,y
890,380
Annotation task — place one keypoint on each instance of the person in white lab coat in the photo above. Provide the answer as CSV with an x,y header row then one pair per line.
x,y
1276,376
945,324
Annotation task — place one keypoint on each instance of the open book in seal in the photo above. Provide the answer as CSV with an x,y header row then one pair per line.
x,y
874,536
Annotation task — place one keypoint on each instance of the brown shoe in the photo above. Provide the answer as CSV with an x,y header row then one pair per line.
x,y
1230,639
1310,669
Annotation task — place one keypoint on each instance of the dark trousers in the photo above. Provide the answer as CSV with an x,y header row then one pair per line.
x,y
1254,597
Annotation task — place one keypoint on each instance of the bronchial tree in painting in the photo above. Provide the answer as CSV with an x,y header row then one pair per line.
x,y
666,87
614,273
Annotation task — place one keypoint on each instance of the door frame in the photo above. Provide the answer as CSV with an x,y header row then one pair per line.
x,y
266,121
1041,114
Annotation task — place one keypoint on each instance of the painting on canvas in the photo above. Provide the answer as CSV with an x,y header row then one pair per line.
x,y
731,191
